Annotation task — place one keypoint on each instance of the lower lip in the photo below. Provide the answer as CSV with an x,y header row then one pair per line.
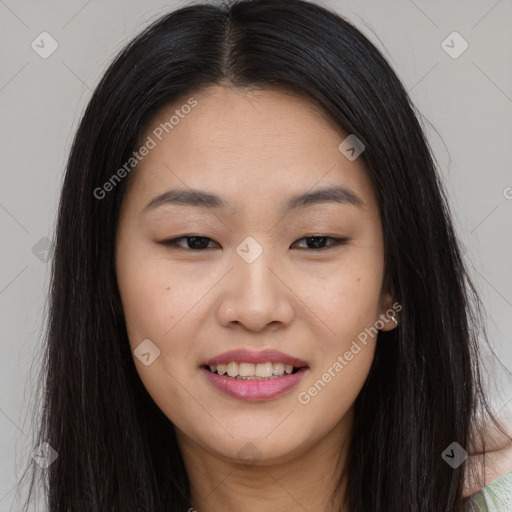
x,y
254,390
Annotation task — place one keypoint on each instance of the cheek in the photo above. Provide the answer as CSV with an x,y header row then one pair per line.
x,y
347,300
159,302
155,296
331,391
148,312
346,355
155,309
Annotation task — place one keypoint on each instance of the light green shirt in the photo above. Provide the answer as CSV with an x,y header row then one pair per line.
x,y
494,497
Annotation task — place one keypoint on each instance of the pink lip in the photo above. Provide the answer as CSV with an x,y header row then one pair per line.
x,y
248,356
254,390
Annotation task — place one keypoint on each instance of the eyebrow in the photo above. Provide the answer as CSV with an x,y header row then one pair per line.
x,y
201,199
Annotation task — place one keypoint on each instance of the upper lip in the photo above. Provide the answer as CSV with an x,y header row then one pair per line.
x,y
250,356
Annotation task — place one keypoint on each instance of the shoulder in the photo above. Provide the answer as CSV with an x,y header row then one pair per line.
x,y
488,482
497,468
497,460
495,496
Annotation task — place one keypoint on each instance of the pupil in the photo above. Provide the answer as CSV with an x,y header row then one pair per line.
x,y
317,241
192,241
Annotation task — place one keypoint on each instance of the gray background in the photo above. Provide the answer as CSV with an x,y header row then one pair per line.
x,y
466,103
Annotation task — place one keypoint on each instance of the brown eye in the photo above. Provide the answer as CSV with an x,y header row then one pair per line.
x,y
194,242
320,242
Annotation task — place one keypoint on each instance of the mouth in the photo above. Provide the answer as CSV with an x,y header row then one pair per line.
x,y
254,376
254,381
251,371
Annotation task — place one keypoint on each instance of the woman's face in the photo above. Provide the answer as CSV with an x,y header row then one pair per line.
x,y
253,280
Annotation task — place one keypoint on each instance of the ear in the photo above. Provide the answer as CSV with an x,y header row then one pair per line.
x,y
386,311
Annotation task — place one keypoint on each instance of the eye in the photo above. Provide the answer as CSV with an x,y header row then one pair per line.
x,y
319,241
194,242
198,242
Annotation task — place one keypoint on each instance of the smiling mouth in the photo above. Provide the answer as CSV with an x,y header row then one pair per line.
x,y
251,371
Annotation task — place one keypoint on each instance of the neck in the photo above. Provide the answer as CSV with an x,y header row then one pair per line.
x,y
308,481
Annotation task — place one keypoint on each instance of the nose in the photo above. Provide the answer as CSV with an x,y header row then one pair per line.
x,y
256,296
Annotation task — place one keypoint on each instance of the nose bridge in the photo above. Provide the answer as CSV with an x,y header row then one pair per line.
x,y
252,266
256,295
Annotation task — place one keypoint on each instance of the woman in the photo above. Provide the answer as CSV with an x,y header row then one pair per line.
x,y
258,299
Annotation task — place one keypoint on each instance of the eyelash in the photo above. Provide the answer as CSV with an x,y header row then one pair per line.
x,y
336,242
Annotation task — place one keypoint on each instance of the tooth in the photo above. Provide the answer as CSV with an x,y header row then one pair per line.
x,y
232,369
264,369
278,369
246,369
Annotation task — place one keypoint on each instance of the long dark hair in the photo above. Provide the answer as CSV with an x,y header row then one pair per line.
x,y
116,450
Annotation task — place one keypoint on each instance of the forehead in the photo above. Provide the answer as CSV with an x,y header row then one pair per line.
x,y
246,145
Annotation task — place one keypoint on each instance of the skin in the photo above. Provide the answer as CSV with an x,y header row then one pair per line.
x,y
497,460
255,148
